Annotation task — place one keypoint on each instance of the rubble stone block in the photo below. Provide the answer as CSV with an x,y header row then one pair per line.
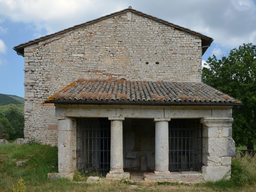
x,y
226,160
3,141
227,132
21,163
52,176
20,141
224,147
92,180
213,132
215,173
212,160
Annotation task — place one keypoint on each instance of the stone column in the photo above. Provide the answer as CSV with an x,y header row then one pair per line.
x,y
162,146
116,149
65,146
218,148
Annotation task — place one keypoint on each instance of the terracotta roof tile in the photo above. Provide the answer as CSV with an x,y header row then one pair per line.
x,y
140,92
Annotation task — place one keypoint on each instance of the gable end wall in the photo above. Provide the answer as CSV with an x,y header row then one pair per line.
x,y
126,46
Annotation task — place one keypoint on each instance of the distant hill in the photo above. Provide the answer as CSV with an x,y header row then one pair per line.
x,y
20,99
10,99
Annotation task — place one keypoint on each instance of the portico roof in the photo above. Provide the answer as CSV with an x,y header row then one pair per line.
x,y
113,91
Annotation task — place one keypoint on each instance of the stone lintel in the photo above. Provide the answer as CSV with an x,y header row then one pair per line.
x,y
162,119
216,122
116,118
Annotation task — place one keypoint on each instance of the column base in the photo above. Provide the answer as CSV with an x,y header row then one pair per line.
x,y
118,176
117,171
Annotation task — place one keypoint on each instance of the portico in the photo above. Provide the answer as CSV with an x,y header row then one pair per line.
x,y
216,124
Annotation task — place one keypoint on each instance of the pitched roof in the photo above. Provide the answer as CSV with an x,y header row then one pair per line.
x,y
206,41
110,91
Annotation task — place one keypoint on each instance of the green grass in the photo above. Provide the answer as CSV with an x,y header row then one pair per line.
x,y
42,159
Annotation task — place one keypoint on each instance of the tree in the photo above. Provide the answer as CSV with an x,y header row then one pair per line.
x,y
1,114
235,75
16,119
6,129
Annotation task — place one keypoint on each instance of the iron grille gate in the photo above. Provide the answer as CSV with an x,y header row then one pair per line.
x,y
185,145
93,146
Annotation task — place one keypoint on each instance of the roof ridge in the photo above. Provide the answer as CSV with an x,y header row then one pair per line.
x,y
20,48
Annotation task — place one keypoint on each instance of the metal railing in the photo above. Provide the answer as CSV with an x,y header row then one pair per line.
x,y
246,152
93,146
185,145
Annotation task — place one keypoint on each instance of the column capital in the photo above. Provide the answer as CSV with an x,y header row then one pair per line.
x,y
65,124
215,122
162,119
116,118
62,118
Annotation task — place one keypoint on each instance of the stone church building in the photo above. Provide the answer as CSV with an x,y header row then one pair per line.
x,y
123,93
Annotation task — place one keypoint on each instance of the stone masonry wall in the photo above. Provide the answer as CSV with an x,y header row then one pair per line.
x,y
126,46
218,148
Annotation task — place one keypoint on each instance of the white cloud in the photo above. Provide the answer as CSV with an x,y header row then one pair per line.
x,y
217,52
230,22
242,5
204,64
2,47
3,30
58,14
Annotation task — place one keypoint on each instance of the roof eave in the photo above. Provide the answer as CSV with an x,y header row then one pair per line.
x,y
142,103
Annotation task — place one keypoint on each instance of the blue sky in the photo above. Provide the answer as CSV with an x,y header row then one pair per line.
x,y
229,22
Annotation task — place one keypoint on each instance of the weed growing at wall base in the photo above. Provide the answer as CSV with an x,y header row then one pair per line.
x,y
20,186
243,173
